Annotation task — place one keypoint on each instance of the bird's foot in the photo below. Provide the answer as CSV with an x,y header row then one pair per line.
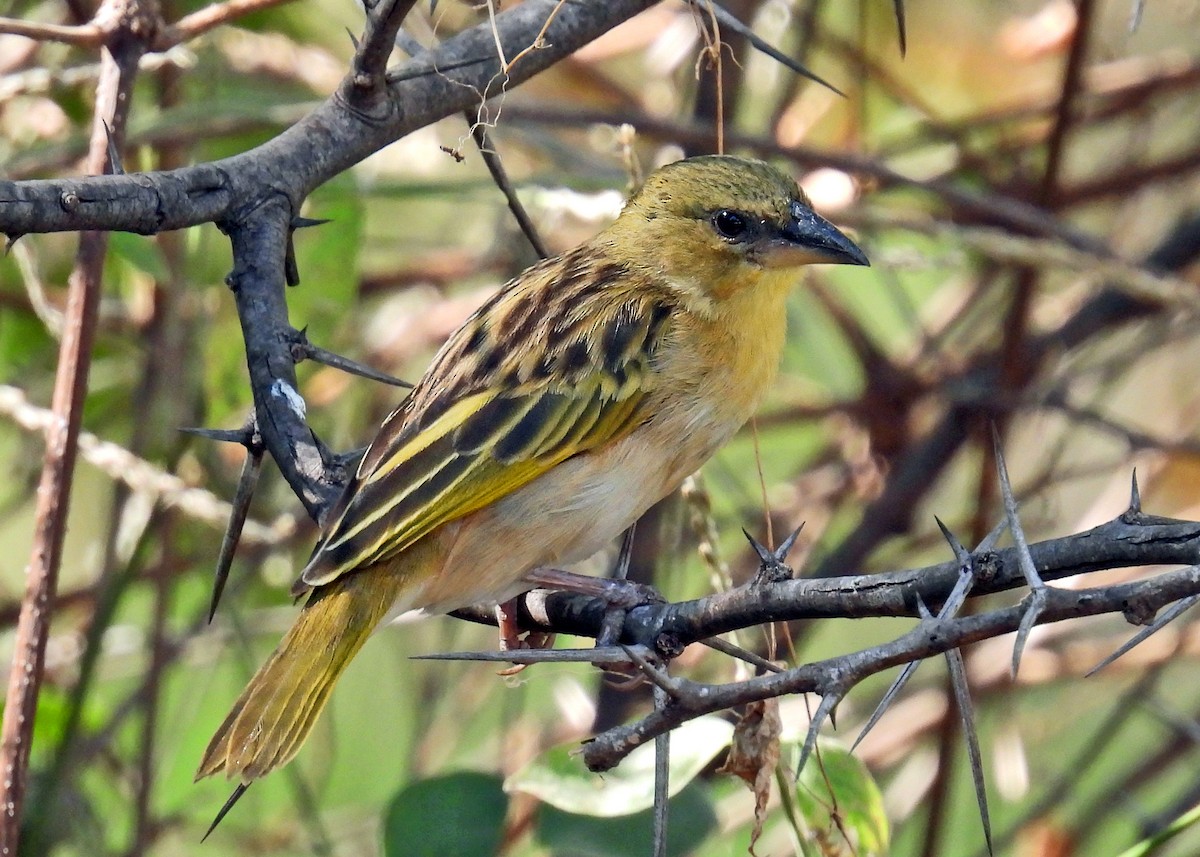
x,y
510,635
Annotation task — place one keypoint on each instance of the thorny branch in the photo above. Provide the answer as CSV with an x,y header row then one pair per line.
x,y
255,198
837,676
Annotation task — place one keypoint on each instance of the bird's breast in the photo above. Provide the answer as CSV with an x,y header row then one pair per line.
x,y
708,376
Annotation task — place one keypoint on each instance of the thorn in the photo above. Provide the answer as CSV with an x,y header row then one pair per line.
x,y
922,609
241,436
625,557
727,648
302,349
114,154
1037,594
784,549
1165,618
247,481
299,222
727,19
966,713
291,268
353,39
662,779
1037,602
233,798
828,703
960,552
990,540
10,240
902,34
950,608
764,555
886,702
772,565
658,676
1135,496
491,158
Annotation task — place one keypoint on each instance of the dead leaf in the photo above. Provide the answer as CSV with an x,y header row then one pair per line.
x,y
753,755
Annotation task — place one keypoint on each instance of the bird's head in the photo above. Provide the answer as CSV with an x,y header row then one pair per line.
x,y
718,223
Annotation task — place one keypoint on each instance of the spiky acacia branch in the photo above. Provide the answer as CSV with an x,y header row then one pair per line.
x,y
1132,539
255,196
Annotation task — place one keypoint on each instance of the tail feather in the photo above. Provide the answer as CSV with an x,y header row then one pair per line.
x,y
277,710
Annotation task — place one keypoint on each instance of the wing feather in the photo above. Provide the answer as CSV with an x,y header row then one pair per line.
x,y
494,413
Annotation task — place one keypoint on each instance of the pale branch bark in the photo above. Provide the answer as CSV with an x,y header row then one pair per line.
x,y
82,35
119,64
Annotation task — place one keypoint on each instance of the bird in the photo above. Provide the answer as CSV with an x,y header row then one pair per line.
x,y
583,392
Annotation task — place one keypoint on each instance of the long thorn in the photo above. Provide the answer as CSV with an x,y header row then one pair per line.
x,y
1037,598
828,702
962,697
727,648
728,19
303,349
1161,621
606,655
662,778
901,33
247,481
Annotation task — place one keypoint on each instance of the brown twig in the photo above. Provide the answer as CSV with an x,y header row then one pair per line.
x,y
119,66
988,208
201,21
82,36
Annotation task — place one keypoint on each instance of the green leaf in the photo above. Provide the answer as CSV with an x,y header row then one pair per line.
x,y
559,778
460,814
690,820
1152,844
838,798
140,252
327,257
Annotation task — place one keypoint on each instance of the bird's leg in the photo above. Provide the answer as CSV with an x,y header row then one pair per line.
x,y
510,630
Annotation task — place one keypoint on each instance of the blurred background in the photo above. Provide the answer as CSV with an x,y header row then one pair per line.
x,y
1026,182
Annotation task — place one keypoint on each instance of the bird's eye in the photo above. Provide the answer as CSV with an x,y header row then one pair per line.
x,y
730,224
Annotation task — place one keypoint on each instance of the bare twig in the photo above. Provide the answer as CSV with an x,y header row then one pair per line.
x,y
119,65
82,36
210,17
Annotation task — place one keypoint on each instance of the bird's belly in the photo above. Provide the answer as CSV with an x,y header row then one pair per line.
x,y
567,514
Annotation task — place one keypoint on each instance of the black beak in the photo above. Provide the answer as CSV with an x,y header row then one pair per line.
x,y
819,240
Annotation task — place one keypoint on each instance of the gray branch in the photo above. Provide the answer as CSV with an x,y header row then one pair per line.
x,y
255,196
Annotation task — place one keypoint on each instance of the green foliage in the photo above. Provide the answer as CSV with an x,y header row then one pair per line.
x,y
841,805
558,777
691,820
460,814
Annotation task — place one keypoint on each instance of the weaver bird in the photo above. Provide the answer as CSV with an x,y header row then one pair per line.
x,y
579,395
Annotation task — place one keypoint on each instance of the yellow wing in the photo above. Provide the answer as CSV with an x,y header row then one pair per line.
x,y
557,364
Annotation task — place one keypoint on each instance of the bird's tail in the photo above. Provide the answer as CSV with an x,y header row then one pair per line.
x,y
278,708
